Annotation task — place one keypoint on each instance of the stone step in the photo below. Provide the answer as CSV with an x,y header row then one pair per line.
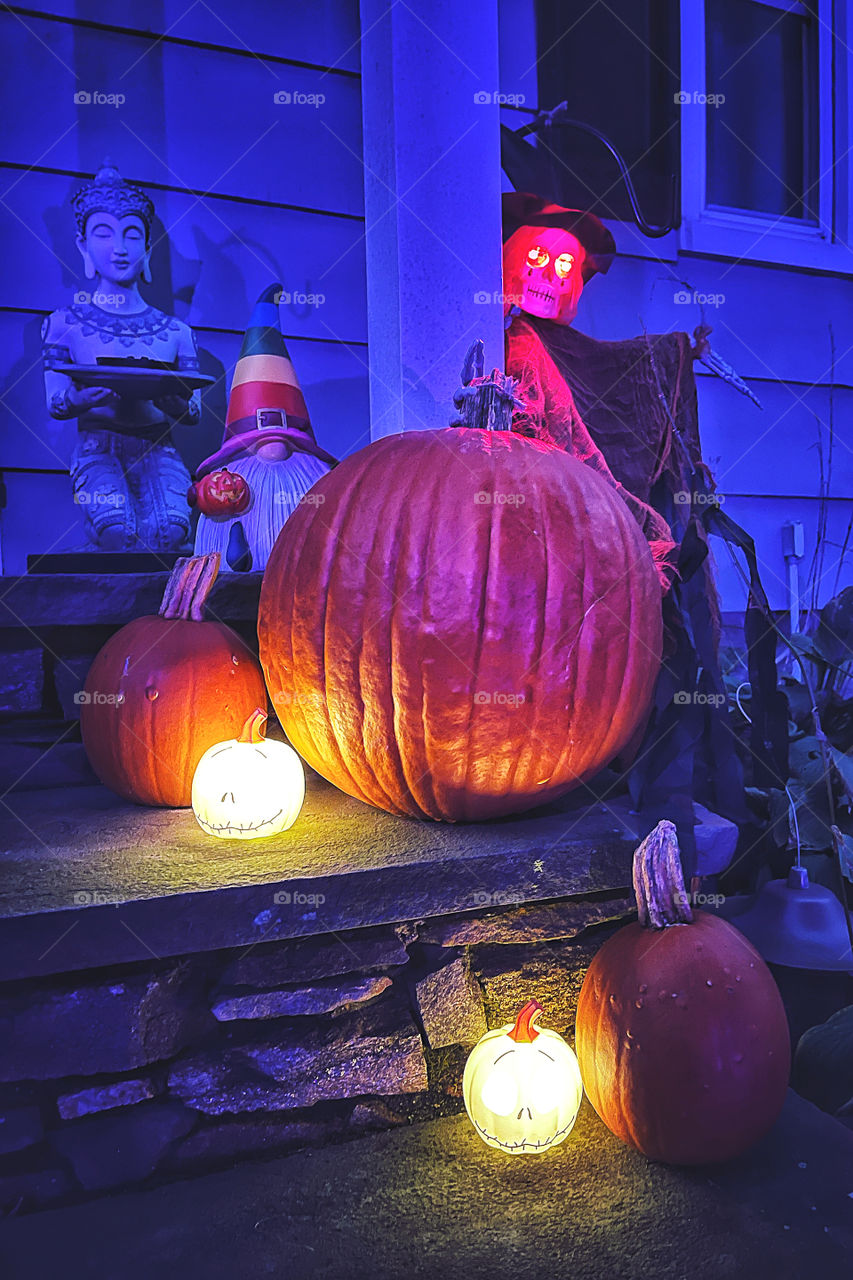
x,y
90,881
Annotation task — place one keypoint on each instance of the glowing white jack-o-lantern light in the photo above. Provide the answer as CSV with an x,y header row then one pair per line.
x,y
248,787
522,1086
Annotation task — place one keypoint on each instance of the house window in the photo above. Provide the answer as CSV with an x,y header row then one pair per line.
x,y
762,135
765,118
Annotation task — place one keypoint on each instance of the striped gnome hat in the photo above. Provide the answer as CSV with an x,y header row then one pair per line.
x,y
266,401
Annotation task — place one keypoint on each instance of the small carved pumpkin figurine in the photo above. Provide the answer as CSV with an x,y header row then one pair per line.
x,y
522,1086
222,493
248,787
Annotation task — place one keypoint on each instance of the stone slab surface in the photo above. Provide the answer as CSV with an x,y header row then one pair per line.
x,y
84,599
432,1201
313,958
87,879
372,1051
98,1027
324,996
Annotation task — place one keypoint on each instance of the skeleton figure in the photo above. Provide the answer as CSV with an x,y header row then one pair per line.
x,y
549,255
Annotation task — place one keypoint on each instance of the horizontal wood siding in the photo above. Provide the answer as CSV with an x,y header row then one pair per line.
x,y
247,191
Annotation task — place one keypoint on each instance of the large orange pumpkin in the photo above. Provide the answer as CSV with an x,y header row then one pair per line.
x,y
165,688
461,624
681,1032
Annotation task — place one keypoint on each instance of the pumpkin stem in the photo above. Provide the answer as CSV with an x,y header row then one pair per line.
x,y
524,1031
189,586
253,729
658,880
486,403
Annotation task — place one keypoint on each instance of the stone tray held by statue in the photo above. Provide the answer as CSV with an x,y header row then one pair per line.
x,y
135,381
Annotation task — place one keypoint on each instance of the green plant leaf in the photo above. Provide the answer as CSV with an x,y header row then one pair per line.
x,y
834,634
805,761
807,648
780,818
845,854
799,702
844,765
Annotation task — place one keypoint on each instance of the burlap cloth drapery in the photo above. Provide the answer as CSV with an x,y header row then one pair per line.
x,y
628,409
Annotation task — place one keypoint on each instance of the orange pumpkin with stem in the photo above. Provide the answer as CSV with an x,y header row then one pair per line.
x,y
681,1033
165,688
461,624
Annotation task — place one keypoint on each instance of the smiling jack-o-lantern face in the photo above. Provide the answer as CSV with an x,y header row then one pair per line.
x,y
248,787
543,272
522,1086
221,493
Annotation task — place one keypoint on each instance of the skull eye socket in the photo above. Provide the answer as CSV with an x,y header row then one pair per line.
x,y
538,257
563,265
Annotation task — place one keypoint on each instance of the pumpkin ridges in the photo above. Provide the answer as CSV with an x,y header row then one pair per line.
x,y
591,675
377,625
490,536
288,553
612,604
453,729
288,567
147,751
460,762
376,634
308,639
644,652
380,769
543,646
609,609
415,736
522,776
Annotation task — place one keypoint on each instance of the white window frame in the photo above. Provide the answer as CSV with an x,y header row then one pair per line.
x,y
761,237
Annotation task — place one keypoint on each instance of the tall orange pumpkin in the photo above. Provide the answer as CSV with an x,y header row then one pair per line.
x,y
165,688
681,1033
461,624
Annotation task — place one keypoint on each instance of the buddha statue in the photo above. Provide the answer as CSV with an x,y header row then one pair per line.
x,y
128,477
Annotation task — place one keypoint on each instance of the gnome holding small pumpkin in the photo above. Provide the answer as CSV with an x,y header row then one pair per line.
x,y
269,457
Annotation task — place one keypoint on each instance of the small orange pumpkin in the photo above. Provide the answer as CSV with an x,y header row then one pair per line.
x,y
165,688
681,1033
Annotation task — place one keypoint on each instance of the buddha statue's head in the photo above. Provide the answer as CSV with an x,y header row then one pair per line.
x,y
114,228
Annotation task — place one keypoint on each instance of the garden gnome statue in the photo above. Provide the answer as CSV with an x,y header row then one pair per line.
x,y
127,476
269,458
550,253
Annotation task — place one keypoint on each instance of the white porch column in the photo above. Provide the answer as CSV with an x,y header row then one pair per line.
x,y
432,202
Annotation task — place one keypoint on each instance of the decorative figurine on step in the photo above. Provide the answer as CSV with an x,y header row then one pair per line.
x,y
522,1086
269,458
550,253
127,372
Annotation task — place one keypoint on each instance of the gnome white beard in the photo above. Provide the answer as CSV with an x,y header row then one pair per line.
x,y
277,489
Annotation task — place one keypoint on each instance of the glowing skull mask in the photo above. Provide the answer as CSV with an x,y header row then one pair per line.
x,y
551,273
